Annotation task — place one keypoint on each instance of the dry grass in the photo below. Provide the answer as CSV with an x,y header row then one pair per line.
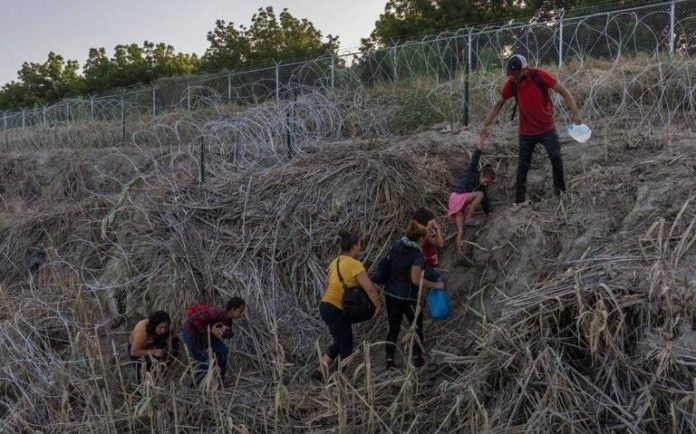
x,y
571,317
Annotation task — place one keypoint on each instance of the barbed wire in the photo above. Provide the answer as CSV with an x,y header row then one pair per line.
x,y
447,62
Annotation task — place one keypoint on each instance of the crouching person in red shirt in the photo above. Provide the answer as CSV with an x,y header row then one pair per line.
x,y
204,330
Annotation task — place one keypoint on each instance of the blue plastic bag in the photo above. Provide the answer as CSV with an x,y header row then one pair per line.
x,y
437,302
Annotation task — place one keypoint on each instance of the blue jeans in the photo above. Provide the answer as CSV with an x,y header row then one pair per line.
x,y
219,349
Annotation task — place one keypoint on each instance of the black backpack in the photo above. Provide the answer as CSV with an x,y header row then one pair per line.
x,y
536,80
383,270
399,284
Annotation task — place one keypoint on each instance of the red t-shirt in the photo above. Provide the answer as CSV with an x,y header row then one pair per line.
x,y
430,255
536,115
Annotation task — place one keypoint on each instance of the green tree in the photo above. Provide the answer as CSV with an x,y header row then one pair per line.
x,y
269,37
284,36
165,62
40,83
408,19
134,64
229,47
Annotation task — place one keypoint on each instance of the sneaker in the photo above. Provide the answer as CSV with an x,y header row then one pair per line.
x,y
472,222
422,360
519,205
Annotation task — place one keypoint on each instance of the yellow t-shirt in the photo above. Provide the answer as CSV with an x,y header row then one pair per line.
x,y
350,268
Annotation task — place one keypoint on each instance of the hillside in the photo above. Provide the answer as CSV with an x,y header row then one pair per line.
x,y
571,316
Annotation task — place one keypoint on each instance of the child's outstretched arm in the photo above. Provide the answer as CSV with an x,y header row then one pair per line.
x,y
470,178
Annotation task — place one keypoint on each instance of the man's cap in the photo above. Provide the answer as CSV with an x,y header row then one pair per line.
x,y
517,62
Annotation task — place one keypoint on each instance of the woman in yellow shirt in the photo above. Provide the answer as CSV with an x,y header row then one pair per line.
x,y
331,307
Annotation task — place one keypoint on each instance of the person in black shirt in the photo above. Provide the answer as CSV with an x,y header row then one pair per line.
x,y
402,290
468,194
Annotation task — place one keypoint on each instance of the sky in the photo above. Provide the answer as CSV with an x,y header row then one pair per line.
x,y
29,29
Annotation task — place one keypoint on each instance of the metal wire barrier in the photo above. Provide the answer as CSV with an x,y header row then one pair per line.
x,y
454,66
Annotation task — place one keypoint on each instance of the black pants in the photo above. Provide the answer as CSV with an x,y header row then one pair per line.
x,y
144,364
526,148
341,331
140,364
396,310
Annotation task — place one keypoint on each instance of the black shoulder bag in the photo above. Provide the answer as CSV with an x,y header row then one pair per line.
x,y
357,306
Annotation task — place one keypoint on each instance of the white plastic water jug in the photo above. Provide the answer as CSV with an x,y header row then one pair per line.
x,y
581,133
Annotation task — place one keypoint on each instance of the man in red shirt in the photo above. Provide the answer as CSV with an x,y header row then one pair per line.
x,y
530,88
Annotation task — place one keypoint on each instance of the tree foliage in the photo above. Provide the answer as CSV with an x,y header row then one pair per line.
x,y
408,19
56,78
228,47
269,37
51,80
132,64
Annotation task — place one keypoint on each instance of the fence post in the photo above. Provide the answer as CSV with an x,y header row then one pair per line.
x,y
277,77
671,28
23,120
123,119
229,87
188,96
67,112
333,70
288,123
560,41
395,78
91,108
44,116
469,50
4,127
154,101
201,167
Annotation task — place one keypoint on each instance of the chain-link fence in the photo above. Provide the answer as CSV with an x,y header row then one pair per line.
x,y
461,57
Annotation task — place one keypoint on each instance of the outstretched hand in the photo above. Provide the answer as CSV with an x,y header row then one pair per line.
x,y
483,136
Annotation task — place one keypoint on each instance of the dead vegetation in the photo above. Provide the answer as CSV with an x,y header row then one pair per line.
x,y
571,316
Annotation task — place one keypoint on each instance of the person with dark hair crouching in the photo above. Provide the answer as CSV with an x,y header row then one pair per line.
x,y
203,332
402,290
152,343
346,271
468,194
434,242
